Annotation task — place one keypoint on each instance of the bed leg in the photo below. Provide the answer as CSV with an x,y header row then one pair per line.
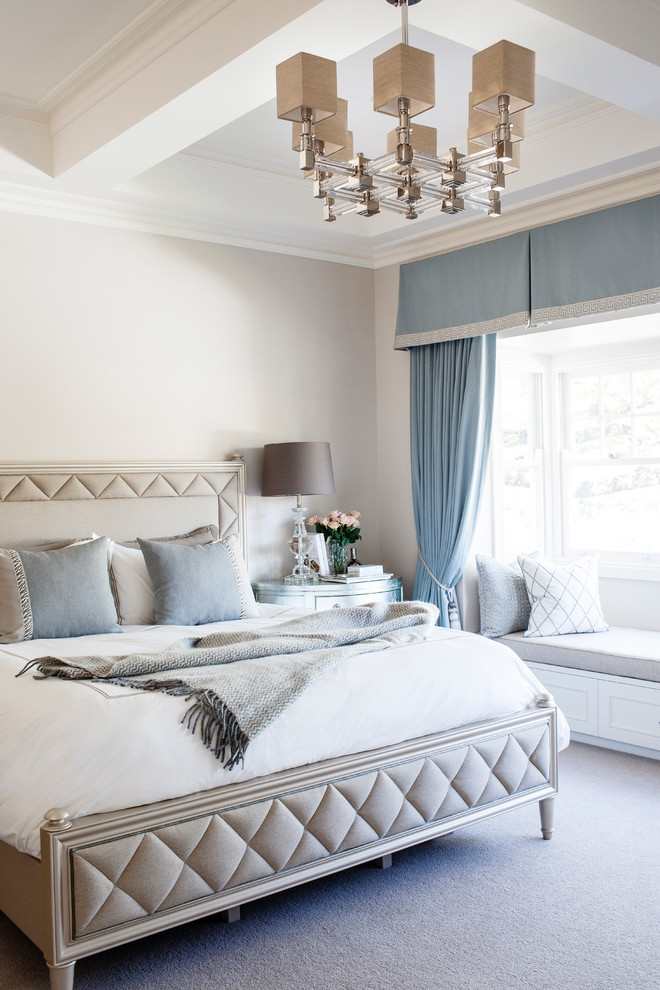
x,y
383,862
547,810
61,977
229,915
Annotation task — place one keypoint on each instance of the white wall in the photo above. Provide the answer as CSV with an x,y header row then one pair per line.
x,y
121,346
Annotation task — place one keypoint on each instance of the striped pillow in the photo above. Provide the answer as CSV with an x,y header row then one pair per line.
x,y
55,593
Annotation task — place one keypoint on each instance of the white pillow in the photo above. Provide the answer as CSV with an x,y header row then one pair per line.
x,y
564,597
131,584
134,593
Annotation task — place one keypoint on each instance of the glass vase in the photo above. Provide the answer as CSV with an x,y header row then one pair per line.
x,y
337,556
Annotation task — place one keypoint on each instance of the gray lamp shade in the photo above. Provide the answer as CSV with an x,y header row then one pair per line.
x,y
302,468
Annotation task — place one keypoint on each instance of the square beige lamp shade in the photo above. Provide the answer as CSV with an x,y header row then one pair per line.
x,y
306,82
503,68
422,138
482,125
333,131
297,468
345,154
404,72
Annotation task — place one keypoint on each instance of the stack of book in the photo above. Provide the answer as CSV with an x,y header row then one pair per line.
x,y
365,570
359,572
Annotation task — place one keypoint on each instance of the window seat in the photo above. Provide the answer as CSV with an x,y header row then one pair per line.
x,y
607,684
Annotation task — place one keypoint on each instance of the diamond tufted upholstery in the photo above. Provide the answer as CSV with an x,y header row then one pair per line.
x,y
35,487
41,503
135,876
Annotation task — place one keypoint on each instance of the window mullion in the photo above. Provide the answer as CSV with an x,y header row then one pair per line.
x,y
555,442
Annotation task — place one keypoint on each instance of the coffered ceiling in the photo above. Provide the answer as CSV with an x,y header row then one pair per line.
x,y
161,115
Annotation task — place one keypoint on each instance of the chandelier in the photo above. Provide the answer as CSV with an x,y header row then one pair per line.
x,y
410,178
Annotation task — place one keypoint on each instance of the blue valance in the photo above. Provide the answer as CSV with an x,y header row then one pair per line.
x,y
596,263
477,290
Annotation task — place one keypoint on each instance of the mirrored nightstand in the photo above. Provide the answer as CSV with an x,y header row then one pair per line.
x,y
329,594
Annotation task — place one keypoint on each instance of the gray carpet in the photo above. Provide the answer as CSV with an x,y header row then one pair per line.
x,y
492,907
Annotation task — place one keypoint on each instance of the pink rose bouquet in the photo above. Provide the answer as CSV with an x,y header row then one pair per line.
x,y
341,526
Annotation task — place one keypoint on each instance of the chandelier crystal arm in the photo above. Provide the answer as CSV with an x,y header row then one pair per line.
x,y
348,195
337,168
479,158
393,205
385,161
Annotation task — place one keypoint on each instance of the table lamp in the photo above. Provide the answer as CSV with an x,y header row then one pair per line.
x,y
302,467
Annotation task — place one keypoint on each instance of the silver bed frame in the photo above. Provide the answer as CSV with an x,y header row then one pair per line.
x,y
107,879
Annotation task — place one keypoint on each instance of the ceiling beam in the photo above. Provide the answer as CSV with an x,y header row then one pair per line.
x,y
158,110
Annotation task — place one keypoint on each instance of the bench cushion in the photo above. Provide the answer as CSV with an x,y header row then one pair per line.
x,y
619,651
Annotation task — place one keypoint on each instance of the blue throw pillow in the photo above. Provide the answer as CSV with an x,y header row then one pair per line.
x,y
503,601
66,592
198,584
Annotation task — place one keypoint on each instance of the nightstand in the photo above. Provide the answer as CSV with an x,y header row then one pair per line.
x,y
328,594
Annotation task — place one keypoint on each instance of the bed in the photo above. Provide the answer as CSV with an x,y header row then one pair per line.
x,y
115,822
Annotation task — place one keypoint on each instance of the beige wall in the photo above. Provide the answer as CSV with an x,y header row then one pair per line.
x,y
398,543
123,346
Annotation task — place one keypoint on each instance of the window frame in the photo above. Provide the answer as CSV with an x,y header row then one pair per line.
x,y
553,373
601,362
537,462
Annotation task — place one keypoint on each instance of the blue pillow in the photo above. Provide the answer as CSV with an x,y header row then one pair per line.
x,y
198,584
503,601
66,592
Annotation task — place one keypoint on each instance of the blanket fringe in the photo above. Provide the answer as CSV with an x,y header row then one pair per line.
x,y
219,729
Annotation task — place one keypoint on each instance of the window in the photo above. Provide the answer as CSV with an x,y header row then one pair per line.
x,y
612,461
576,445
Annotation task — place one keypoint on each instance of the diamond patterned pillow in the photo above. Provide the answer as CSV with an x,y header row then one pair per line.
x,y
564,597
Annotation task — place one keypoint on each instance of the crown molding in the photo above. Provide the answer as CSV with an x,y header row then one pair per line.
x,y
142,218
261,168
22,114
170,223
572,113
159,28
128,36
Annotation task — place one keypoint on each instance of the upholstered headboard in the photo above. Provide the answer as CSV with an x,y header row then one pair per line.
x,y
40,502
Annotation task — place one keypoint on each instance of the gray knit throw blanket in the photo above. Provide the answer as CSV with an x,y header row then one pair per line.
x,y
233,702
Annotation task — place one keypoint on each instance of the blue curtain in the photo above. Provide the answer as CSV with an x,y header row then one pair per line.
x,y
451,407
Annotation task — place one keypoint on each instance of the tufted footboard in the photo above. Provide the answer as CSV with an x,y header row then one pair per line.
x,y
108,879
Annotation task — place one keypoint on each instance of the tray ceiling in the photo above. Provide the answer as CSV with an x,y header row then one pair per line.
x,y
161,115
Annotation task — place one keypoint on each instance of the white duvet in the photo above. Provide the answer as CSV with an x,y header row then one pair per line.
x,y
93,747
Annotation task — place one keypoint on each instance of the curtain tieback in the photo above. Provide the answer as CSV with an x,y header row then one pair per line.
x,y
449,591
452,608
